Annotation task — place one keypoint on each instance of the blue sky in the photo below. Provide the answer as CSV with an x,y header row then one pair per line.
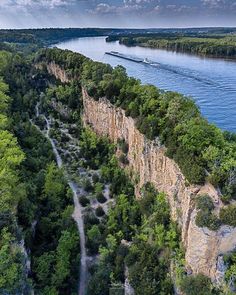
x,y
116,13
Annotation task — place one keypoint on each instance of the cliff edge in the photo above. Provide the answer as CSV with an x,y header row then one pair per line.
x,y
204,248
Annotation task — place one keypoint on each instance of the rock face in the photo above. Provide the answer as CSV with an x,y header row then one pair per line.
x,y
56,71
147,160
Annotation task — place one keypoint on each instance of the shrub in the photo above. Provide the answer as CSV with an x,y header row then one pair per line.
x,y
204,202
84,201
90,219
196,285
230,261
190,166
205,217
88,186
226,199
94,239
95,178
149,195
98,188
228,215
101,198
123,146
99,211
123,159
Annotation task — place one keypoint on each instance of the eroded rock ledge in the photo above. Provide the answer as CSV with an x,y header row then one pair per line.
x,y
147,160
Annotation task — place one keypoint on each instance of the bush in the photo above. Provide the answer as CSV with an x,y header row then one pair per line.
x,y
84,201
94,239
196,285
95,178
228,215
123,159
123,146
90,219
225,199
149,195
205,218
88,186
192,170
204,202
99,211
101,198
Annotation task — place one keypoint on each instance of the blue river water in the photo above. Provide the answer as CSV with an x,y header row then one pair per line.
x,y
210,82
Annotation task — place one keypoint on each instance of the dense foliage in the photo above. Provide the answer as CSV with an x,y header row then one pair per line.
x,y
205,216
230,275
202,150
138,234
198,285
136,237
217,46
51,35
43,203
12,272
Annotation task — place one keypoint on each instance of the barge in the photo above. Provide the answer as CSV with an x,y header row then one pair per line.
x,y
121,55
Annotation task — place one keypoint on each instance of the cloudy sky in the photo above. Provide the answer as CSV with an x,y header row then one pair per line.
x,y
116,13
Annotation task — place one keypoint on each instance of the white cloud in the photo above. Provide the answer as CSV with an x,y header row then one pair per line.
x,y
213,3
34,3
104,8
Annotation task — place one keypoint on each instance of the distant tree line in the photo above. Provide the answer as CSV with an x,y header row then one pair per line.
x,y
215,46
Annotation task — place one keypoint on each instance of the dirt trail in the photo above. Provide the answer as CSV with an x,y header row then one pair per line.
x,y
77,215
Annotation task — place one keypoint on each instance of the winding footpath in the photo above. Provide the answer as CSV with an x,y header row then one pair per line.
x,y
77,215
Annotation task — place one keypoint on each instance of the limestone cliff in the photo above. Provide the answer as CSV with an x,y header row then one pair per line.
x,y
55,70
147,160
204,248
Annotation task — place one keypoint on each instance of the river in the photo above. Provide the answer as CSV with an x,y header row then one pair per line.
x,y
210,82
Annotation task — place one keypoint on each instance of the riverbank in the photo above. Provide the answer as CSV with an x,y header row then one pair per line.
x,y
208,46
210,82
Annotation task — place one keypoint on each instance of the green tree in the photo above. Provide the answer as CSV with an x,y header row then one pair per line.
x,y
11,266
65,253
196,285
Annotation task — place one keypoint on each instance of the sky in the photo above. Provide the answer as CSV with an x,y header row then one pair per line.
x,y
116,13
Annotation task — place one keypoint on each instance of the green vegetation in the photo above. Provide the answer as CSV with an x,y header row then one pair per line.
x,y
50,36
36,201
201,150
123,146
135,234
11,264
101,198
205,217
228,215
197,285
39,207
84,201
208,45
12,268
230,275
99,212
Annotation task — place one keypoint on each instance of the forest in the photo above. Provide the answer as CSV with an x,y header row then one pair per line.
x,y
204,45
126,238
202,151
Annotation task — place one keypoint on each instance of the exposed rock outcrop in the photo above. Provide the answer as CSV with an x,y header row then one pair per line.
x,y
56,71
148,162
